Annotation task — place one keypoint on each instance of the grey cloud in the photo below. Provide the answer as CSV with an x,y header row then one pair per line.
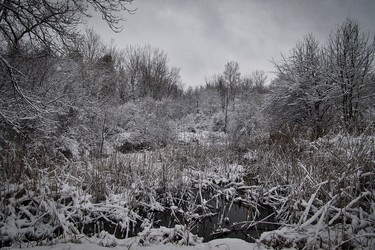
x,y
200,36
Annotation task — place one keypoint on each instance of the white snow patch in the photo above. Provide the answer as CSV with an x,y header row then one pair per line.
x,y
218,244
202,137
119,139
71,145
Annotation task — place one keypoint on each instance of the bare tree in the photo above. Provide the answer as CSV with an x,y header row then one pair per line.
x,y
351,54
47,25
302,95
52,23
154,71
226,84
92,47
259,78
174,86
132,65
147,73
231,78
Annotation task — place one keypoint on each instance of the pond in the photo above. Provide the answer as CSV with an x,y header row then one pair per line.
x,y
221,217
228,221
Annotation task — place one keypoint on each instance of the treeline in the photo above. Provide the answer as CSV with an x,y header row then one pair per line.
x,y
132,73
318,89
77,93
68,95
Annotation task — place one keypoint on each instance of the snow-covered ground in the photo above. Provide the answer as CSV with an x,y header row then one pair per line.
x,y
219,244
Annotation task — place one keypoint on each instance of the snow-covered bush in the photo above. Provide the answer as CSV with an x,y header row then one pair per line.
x,y
145,125
116,193
69,148
195,122
323,188
177,235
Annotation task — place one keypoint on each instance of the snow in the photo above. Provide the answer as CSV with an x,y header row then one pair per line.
x,y
148,181
202,137
119,139
71,145
219,244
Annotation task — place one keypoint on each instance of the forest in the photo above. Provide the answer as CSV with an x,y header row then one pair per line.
x,y
107,144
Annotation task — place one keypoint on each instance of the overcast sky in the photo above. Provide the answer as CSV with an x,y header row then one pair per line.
x,y
200,36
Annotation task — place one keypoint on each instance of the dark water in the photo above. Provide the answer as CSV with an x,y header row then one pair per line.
x,y
227,220
238,225
230,221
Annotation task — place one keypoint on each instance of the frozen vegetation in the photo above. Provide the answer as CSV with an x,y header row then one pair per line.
x,y
101,147
121,194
